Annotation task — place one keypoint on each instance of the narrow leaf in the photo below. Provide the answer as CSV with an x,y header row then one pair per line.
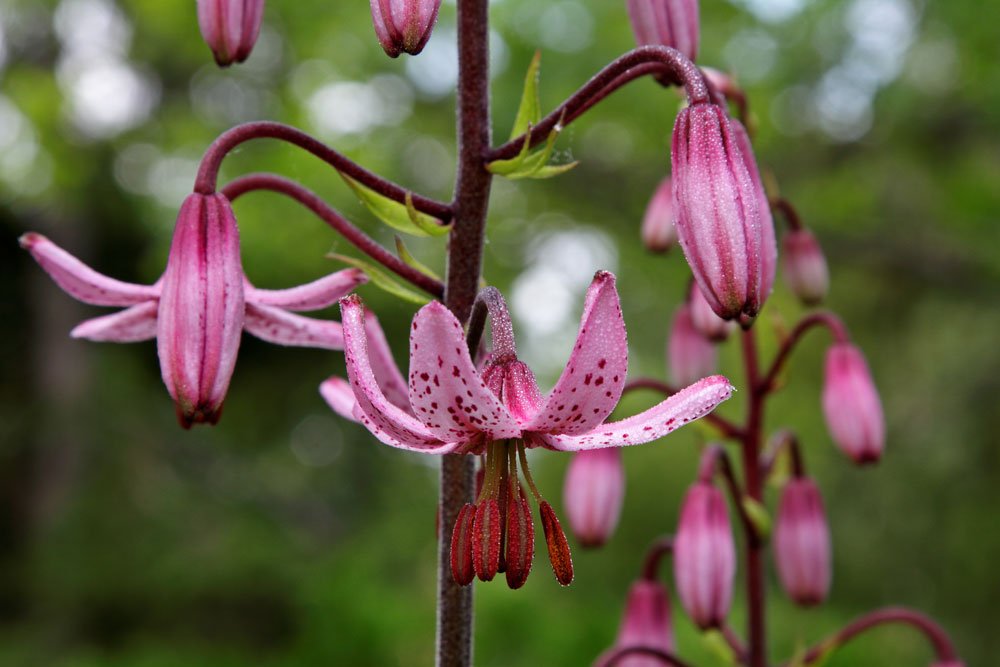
x,y
401,217
716,642
383,279
406,256
530,110
758,515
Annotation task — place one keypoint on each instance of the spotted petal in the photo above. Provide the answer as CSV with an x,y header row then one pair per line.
x,y
683,407
126,326
312,296
81,281
446,391
284,328
387,422
339,396
592,382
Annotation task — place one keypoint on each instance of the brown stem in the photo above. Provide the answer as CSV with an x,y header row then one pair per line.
x,y
654,556
208,171
339,223
605,82
726,428
786,209
735,643
617,655
784,439
943,648
757,632
827,319
715,459
465,256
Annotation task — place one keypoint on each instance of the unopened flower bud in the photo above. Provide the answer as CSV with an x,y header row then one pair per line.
x,y
593,494
201,308
704,318
666,22
704,556
851,404
404,25
802,543
690,355
646,622
658,231
230,27
804,266
719,222
767,241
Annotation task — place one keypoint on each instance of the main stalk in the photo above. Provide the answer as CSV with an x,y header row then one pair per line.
x,y
465,259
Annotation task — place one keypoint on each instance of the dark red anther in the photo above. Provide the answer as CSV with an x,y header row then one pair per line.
x,y
486,533
555,540
520,548
461,545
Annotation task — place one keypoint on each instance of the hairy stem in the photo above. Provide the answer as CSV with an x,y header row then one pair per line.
x,y
826,319
340,224
753,479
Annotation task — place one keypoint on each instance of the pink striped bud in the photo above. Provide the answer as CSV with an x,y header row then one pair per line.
x,y
666,22
690,356
230,27
804,266
705,320
719,222
658,231
403,25
593,493
201,308
646,622
802,543
704,556
851,404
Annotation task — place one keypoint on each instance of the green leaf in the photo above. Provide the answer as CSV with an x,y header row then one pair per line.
x,y
406,256
531,165
401,217
383,279
759,516
716,642
530,110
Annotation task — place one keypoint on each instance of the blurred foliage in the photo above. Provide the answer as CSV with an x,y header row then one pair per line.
x,y
285,536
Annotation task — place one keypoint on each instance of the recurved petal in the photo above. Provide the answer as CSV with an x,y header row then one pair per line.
x,y
386,421
312,296
592,382
127,326
81,281
683,407
387,373
284,328
337,393
446,391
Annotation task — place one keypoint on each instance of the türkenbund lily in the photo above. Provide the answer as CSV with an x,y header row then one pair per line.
x,y
498,411
199,306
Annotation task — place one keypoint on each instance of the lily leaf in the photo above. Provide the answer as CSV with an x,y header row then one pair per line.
x,y
717,644
530,110
758,515
383,279
401,217
531,165
406,256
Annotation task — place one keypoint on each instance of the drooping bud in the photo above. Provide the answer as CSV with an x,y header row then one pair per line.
x,y
520,547
646,622
704,556
718,211
461,546
802,543
404,25
201,308
705,320
767,241
486,531
558,547
690,356
230,27
659,233
804,266
666,22
593,494
851,404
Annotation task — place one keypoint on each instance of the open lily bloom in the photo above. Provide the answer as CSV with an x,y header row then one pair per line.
x,y
498,411
198,308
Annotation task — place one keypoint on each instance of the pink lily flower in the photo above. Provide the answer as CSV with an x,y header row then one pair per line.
x,y
199,306
498,411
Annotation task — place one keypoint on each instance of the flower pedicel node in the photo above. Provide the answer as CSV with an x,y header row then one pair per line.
x,y
498,412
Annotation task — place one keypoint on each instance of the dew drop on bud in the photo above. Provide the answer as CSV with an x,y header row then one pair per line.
x,y
555,540
486,539
461,546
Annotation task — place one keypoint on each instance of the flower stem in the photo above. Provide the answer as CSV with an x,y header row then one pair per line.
x,y
753,480
465,256
826,319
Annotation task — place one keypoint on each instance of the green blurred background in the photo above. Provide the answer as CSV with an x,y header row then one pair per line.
x,y
285,536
